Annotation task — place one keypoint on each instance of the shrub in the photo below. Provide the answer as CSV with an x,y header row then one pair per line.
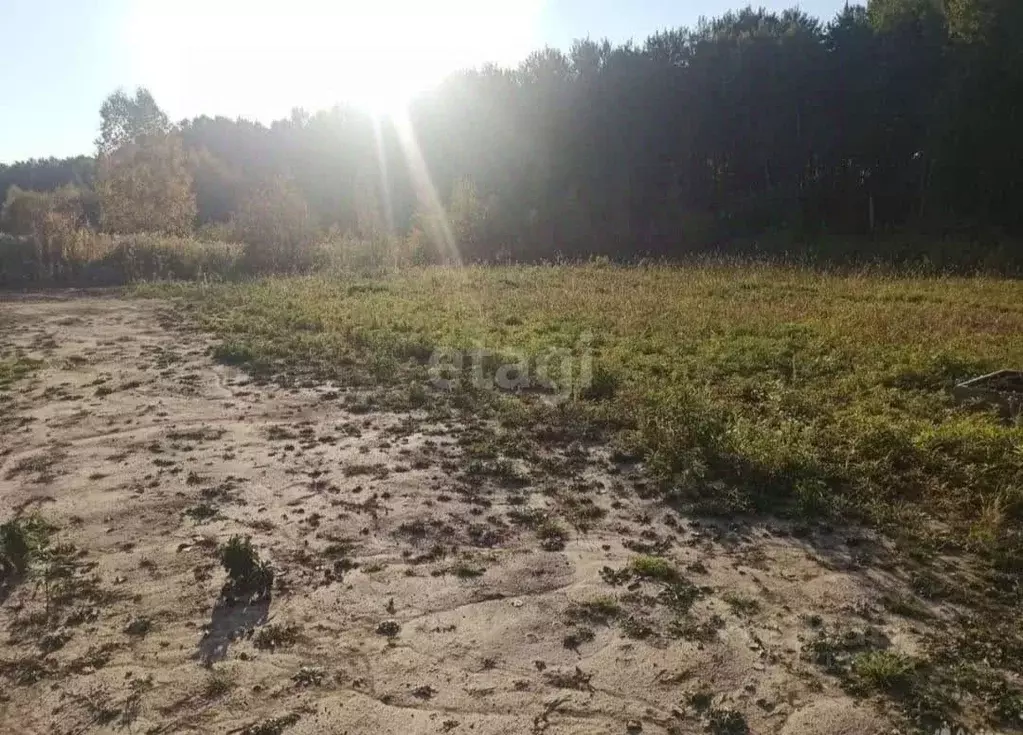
x,y
21,539
155,257
51,240
653,567
247,573
17,259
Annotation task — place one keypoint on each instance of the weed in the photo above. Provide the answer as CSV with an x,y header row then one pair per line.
x,y
742,605
705,631
654,568
834,650
247,574
27,670
465,570
883,670
15,369
275,636
21,540
726,722
139,627
679,595
309,676
54,641
202,512
700,700
575,679
219,682
552,535
577,637
604,610
273,725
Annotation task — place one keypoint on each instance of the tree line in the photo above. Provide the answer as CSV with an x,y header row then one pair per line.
x,y
900,116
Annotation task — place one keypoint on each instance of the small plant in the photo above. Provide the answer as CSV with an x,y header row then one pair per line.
x,y
834,651
577,637
464,570
602,386
21,539
654,567
742,605
54,641
202,512
309,676
705,631
604,609
139,627
276,636
726,722
552,535
884,671
700,700
679,595
247,573
218,683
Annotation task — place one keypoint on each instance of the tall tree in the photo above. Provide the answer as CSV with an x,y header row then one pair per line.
x,y
127,119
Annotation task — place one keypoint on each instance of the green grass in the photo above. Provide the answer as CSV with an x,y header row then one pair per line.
x,y
883,670
22,541
15,368
654,567
757,389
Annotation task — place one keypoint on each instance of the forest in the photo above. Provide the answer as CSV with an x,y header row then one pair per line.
x,y
897,122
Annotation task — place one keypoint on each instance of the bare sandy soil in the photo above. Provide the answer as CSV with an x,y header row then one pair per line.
x,y
403,602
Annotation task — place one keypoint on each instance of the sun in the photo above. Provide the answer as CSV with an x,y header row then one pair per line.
x,y
260,59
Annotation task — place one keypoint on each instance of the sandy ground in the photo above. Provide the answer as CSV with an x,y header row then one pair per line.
x,y
146,455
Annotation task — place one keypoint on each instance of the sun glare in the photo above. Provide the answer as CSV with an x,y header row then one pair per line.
x,y
259,59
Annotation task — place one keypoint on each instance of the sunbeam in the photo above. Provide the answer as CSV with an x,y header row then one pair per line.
x,y
426,192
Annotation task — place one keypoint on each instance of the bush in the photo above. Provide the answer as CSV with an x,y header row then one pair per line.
x,y
21,540
247,574
51,242
17,259
155,257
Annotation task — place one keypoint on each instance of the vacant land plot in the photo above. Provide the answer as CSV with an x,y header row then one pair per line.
x,y
754,508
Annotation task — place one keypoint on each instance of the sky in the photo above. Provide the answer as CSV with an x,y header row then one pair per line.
x,y
261,58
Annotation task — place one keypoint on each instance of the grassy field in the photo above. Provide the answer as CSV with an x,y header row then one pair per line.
x,y
742,389
714,498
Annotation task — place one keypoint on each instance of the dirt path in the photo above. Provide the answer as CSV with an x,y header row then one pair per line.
x,y
145,455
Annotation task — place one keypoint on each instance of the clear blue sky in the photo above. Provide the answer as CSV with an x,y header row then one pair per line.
x,y
260,58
